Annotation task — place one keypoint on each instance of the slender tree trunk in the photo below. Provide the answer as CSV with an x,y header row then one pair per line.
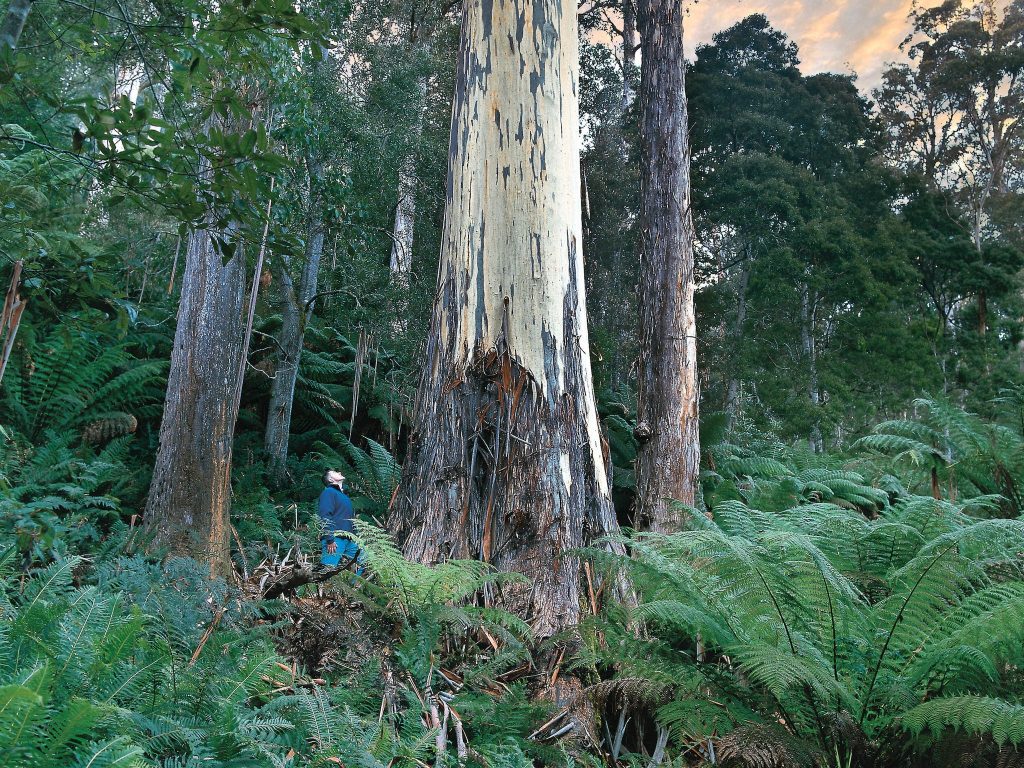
x,y
505,462
811,353
296,309
979,245
405,212
14,23
405,221
630,46
189,499
668,462
732,399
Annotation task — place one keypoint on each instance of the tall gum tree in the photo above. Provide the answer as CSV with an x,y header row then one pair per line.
x,y
189,503
668,462
506,462
296,298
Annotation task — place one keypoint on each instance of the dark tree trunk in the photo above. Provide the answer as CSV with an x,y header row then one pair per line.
x,y
668,462
190,497
296,309
505,462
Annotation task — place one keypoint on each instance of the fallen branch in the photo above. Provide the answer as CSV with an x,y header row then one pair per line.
x,y
548,724
299,576
206,636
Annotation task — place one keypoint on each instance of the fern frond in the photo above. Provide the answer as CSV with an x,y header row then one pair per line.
x,y
978,715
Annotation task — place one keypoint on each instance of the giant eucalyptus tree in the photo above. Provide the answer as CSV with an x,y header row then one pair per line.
x,y
226,203
668,461
505,461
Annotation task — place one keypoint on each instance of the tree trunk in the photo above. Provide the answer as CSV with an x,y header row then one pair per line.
x,y
405,222
630,46
668,462
505,463
190,496
811,353
405,212
296,309
14,23
733,405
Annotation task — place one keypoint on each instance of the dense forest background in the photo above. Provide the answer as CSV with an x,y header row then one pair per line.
x,y
849,590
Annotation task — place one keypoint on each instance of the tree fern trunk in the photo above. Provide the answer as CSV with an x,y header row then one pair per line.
x,y
505,463
668,462
189,499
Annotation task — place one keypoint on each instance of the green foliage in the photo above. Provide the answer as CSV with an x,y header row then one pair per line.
x,y
32,186
832,611
92,679
968,455
125,662
976,715
70,380
56,498
821,625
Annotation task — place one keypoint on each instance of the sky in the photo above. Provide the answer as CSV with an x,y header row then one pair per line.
x,y
834,35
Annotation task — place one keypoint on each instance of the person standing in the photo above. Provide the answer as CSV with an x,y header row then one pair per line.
x,y
335,509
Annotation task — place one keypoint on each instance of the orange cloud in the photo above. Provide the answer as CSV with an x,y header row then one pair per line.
x,y
836,36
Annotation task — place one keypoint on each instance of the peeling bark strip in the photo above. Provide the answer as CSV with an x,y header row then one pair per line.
x,y
189,499
505,461
668,462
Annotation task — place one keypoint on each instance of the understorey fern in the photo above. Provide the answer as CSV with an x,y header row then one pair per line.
x,y
56,496
841,634
955,453
135,664
71,382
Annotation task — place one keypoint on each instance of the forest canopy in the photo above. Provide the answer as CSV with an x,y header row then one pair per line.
x,y
489,383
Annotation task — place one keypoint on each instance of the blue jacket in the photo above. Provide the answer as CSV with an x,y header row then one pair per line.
x,y
335,510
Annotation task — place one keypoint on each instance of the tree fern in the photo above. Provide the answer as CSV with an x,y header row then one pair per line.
x,y
65,382
969,455
816,612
